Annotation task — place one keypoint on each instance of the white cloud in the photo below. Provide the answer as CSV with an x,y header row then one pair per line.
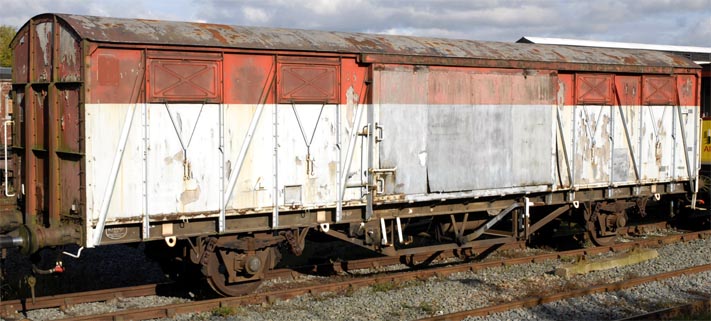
x,y
255,15
421,32
524,15
322,7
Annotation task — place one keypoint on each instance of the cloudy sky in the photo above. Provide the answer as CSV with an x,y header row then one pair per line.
x,y
681,22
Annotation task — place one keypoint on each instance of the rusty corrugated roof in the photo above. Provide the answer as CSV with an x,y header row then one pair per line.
x,y
141,31
700,55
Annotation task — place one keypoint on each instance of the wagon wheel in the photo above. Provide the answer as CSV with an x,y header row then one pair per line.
x,y
217,278
593,227
594,234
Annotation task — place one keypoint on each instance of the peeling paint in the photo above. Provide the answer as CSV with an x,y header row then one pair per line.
x,y
44,33
67,51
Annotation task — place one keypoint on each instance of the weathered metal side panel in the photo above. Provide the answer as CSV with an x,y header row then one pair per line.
x,y
532,145
581,130
628,92
308,160
42,54
179,79
179,181
356,97
116,76
307,166
656,139
658,90
608,154
625,156
401,92
104,123
115,81
69,120
599,151
249,85
69,149
21,55
594,89
186,184
247,79
495,142
562,154
686,153
308,80
626,142
485,129
470,147
591,131
308,157
254,186
313,138
687,89
183,153
70,55
183,158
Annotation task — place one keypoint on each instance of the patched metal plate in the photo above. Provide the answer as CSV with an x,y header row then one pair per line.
x,y
300,83
594,89
184,80
292,195
658,90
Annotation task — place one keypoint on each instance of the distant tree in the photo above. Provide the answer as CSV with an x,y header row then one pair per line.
x,y
6,35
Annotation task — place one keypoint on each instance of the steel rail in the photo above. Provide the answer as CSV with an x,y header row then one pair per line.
x,y
64,300
394,277
680,312
539,300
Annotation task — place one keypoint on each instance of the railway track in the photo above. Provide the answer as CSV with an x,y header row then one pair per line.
x,y
342,285
534,301
682,312
62,301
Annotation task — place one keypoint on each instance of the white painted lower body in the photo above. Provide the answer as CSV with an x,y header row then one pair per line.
x,y
156,162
